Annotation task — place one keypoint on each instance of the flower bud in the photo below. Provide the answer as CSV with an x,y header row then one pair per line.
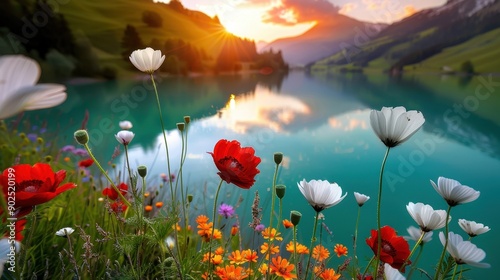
x,y
180,126
48,158
190,198
142,170
39,140
280,191
187,119
81,136
278,157
295,217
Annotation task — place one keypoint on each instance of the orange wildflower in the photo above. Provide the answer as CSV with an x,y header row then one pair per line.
x,y
301,249
283,268
263,269
320,253
329,274
340,250
148,208
230,272
159,204
237,258
219,251
202,219
287,223
271,234
249,255
234,230
264,249
216,259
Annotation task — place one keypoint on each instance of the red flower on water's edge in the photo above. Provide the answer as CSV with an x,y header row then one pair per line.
x,y
112,194
236,164
395,249
86,162
33,185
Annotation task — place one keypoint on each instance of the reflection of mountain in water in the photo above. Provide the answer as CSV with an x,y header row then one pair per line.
x,y
445,115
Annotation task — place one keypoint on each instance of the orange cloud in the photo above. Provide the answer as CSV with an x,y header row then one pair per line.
x,y
291,12
409,10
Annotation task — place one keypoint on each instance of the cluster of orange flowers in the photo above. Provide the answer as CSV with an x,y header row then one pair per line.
x,y
240,264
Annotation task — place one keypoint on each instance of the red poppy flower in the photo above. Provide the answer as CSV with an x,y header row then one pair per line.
x,y
34,185
237,165
395,249
118,207
112,194
86,162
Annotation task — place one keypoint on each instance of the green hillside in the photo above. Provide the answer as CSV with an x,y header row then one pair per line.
x,y
103,23
483,51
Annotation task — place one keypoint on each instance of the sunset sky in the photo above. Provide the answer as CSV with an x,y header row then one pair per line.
x,y
271,19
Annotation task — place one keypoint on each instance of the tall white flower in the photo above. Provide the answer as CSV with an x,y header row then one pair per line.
x,y
453,192
125,125
19,91
321,194
426,217
125,137
395,125
147,60
361,198
464,252
472,228
64,232
415,233
392,273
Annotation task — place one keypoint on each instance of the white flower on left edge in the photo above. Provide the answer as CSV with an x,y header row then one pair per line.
x,y
321,194
426,217
393,126
464,252
64,232
19,91
472,228
147,60
125,137
5,248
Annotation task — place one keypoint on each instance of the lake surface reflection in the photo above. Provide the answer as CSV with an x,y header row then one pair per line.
x,y
321,124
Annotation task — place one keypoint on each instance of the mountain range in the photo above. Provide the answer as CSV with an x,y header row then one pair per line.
x,y
427,35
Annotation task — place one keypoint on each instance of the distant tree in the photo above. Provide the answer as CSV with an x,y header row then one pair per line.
x,y
152,19
467,67
131,41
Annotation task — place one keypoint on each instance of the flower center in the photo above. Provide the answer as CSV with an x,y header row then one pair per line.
x,y
387,247
231,163
30,185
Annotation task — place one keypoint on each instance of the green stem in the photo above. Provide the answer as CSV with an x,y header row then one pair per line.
x,y
356,237
438,270
313,238
454,272
414,264
367,266
419,241
295,251
129,171
213,229
379,202
106,175
270,227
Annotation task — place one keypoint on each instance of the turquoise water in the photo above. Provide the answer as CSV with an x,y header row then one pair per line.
x,y
321,124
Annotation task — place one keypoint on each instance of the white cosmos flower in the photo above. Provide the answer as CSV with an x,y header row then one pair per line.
x,y
64,232
321,194
170,242
472,228
426,217
147,60
361,198
19,91
453,192
125,125
125,137
464,252
414,234
392,273
395,125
